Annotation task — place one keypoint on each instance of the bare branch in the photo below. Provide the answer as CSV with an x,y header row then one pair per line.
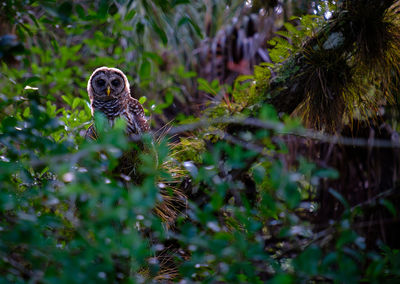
x,y
281,129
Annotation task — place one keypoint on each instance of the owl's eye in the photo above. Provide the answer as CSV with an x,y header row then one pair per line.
x,y
100,82
115,82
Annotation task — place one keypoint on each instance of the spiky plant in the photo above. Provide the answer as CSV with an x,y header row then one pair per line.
x,y
350,66
326,78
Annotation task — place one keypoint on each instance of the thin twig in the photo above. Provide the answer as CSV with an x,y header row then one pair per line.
x,y
281,129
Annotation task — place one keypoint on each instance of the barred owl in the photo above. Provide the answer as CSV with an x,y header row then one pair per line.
x,y
109,93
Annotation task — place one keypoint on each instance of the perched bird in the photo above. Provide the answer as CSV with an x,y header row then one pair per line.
x,y
109,93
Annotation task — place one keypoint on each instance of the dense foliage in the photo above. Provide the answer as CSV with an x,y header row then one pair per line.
x,y
239,191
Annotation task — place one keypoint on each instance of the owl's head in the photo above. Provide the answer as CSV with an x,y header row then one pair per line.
x,y
107,83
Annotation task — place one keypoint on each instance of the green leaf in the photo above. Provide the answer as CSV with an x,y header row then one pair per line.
x,y
281,279
346,237
103,9
161,33
292,195
291,29
339,197
196,28
179,2
142,99
242,78
26,112
80,11
185,74
154,56
145,69
33,18
205,86
129,16
308,261
54,43
139,28
31,80
269,113
389,206
67,100
183,21
64,11
327,173
75,103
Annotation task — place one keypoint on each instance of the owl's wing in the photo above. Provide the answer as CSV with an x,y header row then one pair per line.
x,y
137,122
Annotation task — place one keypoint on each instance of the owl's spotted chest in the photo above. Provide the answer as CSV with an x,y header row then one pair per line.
x,y
111,108
119,108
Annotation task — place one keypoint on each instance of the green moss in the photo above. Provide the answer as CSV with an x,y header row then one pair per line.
x,y
189,149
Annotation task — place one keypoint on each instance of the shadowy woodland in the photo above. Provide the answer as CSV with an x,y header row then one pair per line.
x,y
276,126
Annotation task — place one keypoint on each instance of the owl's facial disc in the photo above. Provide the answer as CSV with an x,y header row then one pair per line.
x,y
107,86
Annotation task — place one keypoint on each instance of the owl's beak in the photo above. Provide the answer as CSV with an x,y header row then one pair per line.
x,y
108,90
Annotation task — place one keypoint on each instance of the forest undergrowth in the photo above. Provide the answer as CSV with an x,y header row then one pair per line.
x,y
289,174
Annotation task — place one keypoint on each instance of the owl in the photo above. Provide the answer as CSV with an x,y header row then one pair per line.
x,y
109,93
